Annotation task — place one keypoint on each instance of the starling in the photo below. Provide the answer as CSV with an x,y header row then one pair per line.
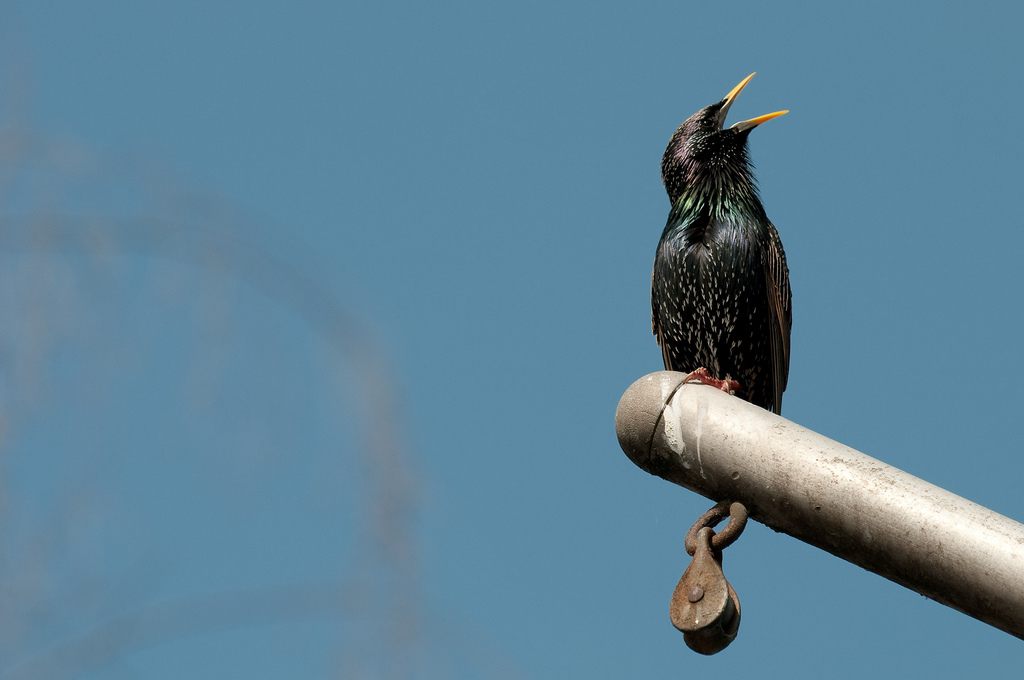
x,y
720,290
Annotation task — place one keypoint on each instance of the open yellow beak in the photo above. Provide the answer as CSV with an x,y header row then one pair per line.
x,y
752,122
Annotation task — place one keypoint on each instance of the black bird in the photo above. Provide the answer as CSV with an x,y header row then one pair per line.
x,y
720,291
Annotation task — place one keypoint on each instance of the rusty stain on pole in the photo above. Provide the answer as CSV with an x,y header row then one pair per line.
x,y
827,494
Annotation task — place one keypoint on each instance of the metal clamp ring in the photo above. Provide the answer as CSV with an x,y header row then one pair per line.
x,y
737,514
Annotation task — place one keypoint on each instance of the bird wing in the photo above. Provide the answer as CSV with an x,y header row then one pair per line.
x,y
656,328
780,301
675,218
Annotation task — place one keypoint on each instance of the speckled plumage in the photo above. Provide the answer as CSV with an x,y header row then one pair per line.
x,y
720,290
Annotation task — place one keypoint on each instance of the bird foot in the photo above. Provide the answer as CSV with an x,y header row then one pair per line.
x,y
702,376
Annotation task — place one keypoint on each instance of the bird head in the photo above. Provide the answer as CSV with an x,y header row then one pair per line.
x,y
703,150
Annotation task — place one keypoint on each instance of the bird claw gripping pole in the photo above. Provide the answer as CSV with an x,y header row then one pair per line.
x,y
704,606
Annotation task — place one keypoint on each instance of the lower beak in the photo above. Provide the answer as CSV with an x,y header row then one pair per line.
x,y
754,122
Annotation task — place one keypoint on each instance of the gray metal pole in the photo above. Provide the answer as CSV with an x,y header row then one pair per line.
x,y
829,495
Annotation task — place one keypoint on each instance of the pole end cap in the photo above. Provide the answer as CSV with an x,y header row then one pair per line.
x,y
639,411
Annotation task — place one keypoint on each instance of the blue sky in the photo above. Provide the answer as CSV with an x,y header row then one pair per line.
x,y
224,220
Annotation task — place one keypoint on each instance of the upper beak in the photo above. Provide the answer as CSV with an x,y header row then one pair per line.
x,y
744,124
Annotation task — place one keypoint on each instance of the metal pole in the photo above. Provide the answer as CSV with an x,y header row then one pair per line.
x,y
829,495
